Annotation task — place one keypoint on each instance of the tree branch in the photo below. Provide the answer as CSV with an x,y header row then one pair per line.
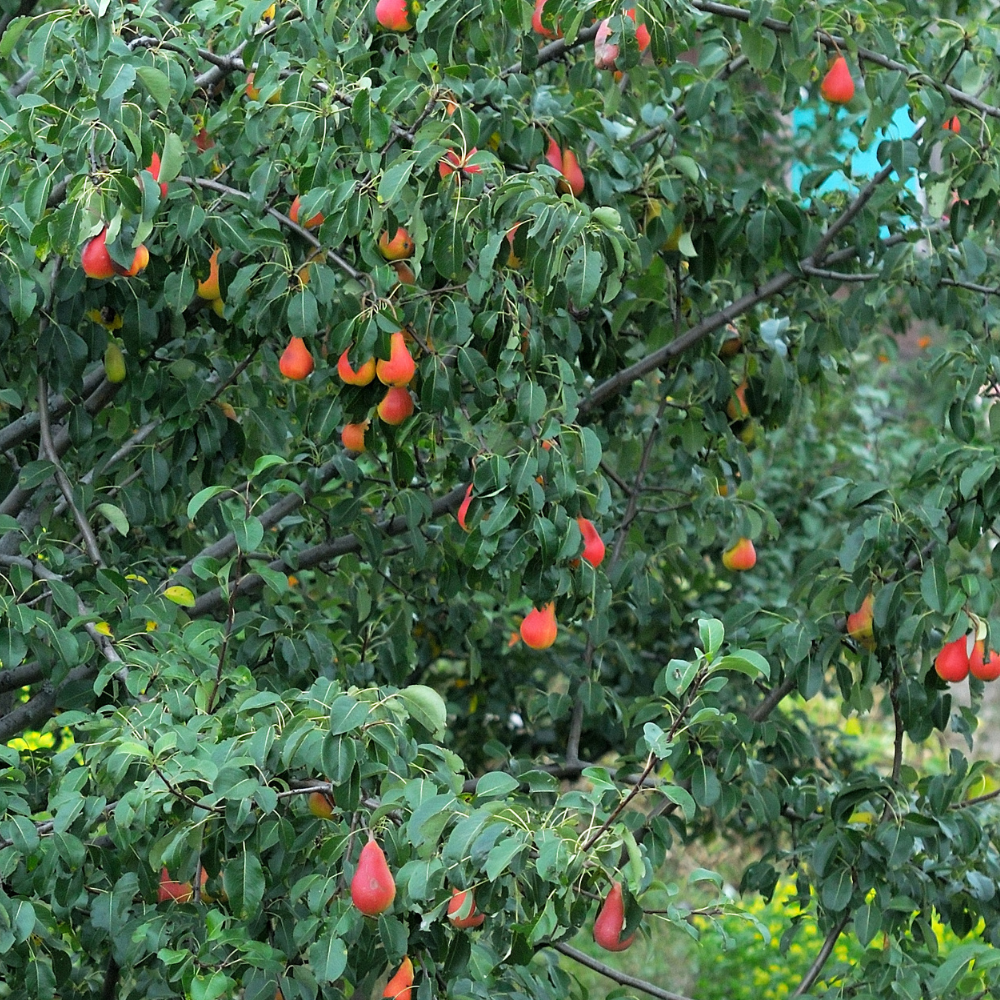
x,y
614,975
824,953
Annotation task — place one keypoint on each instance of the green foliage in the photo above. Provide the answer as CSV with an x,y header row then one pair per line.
x,y
215,611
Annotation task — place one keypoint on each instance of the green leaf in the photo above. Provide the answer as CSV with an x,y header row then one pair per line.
x,y
711,632
202,497
303,314
243,880
745,661
115,516
449,249
867,923
496,785
11,34
426,706
503,854
583,275
156,83
347,713
371,123
837,890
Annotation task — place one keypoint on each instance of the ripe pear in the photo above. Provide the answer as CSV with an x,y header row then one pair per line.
x,y
554,155
95,259
463,509
310,223
860,623
321,805
396,406
364,374
610,922
400,987
985,667
838,85
399,247
538,26
393,15
572,172
461,901
593,544
952,663
372,887
952,125
353,436
538,630
209,288
400,367
741,556
154,171
296,362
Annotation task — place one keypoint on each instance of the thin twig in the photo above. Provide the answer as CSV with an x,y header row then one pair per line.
x,y
614,975
845,276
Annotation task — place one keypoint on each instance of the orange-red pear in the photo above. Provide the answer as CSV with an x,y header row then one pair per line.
x,y
400,987
396,405
952,663
209,288
399,247
393,15
539,628
400,367
372,888
310,223
985,667
321,805
296,362
572,172
463,509
353,436
838,84
458,904
362,376
741,556
593,544
610,922
860,623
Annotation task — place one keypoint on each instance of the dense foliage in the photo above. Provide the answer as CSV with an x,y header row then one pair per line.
x,y
216,615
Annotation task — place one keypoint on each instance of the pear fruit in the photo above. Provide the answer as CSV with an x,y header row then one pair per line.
x,y
310,223
209,288
593,544
296,362
463,509
860,624
572,172
114,363
605,52
393,15
396,406
178,892
400,987
372,888
353,436
399,247
362,376
838,85
462,910
610,922
538,630
97,263
536,22
321,805
554,155
952,125
741,556
400,367
154,172
986,667
952,663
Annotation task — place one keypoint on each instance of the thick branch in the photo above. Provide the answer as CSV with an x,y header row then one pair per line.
x,y
212,603
615,976
824,953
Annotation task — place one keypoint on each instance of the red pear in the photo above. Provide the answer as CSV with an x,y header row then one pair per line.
x,y
400,367
463,509
400,247
364,374
952,125
539,628
838,85
353,436
296,362
605,52
400,987
458,905
154,171
859,624
372,888
952,663
536,22
396,405
311,223
393,15
987,669
741,556
593,545
610,922
554,155
572,172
